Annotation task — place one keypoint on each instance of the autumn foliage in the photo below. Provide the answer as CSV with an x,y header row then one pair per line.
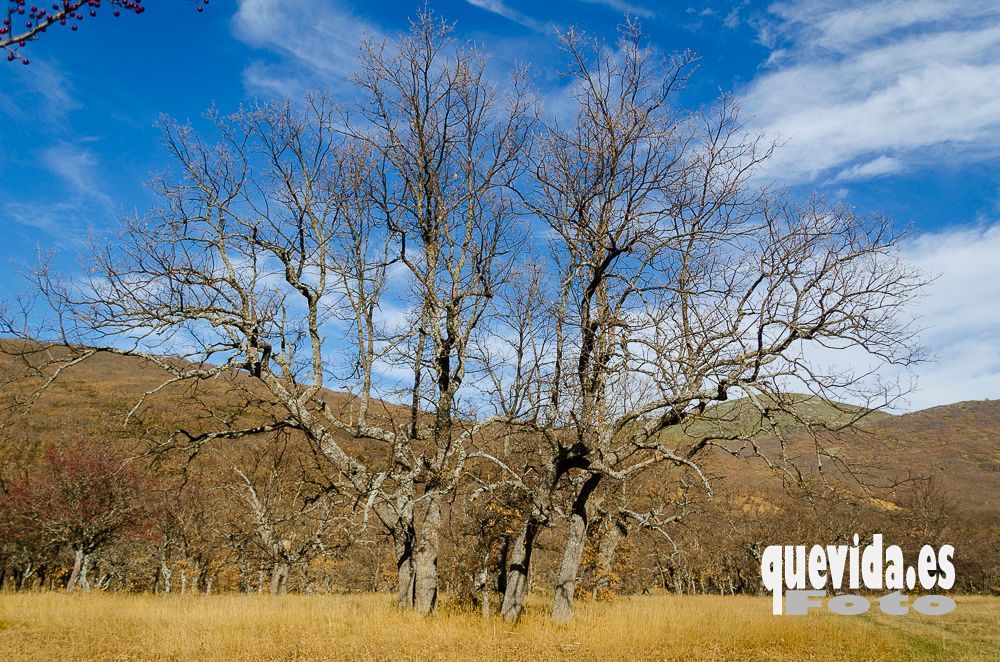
x,y
79,497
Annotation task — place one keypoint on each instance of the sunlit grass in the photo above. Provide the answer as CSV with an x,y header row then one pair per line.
x,y
112,626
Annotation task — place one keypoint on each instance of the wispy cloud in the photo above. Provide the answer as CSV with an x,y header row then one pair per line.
x,y
961,314
623,7
849,83
845,27
78,197
49,93
501,8
883,165
78,168
63,222
317,39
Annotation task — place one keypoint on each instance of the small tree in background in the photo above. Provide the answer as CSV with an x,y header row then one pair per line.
x,y
81,496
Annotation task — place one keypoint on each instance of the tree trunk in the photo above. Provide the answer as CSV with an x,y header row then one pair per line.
x,y
166,572
516,590
426,558
404,568
606,551
196,576
74,576
483,586
21,580
576,538
84,569
279,578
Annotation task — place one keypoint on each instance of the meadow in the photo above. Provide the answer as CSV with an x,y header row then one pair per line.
x,y
40,626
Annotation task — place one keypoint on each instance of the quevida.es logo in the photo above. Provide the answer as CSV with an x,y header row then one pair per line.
x,y
799,576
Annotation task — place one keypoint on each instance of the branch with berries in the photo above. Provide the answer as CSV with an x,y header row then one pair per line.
x,y
24,22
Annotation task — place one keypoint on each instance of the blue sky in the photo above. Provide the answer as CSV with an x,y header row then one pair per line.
x,y
891,106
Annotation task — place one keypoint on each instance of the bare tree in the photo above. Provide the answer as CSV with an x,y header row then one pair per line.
x,y
293,516
240,275
677,284
450,146
272,235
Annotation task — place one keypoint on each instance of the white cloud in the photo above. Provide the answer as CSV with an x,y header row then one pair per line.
x,y
623,7
958,318
47,89
883,165
961,314
80,203
77,167
501,8
319,42
850,82
842,27
732,20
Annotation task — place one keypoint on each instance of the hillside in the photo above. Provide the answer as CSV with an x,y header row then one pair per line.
x,y
956,443
210,529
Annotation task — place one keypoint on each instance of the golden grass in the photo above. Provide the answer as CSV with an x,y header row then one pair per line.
x,y
114,626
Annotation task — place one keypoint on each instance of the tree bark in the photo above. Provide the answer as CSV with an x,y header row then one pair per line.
x,y
165,572
84,569
404,568
74,576
426,558
576,538
482,586
516,590
279,578
576,535
606,551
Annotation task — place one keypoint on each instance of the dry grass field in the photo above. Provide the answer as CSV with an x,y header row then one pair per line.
x,y
125,627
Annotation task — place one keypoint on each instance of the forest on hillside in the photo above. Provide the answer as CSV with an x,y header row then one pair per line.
x,y
265,515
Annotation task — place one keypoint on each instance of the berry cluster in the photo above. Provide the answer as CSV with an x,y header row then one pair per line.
x,y
26,22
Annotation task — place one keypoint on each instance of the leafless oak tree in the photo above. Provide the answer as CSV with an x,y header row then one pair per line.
x,y
675,283
291,222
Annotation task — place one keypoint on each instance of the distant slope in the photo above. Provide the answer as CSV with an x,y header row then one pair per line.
x,y
958,443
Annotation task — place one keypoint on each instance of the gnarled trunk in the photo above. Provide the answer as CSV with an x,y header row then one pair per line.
x,y
166,572
516,590
74,576
606,550
279,578
405,575
576,538
84,582
426,557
